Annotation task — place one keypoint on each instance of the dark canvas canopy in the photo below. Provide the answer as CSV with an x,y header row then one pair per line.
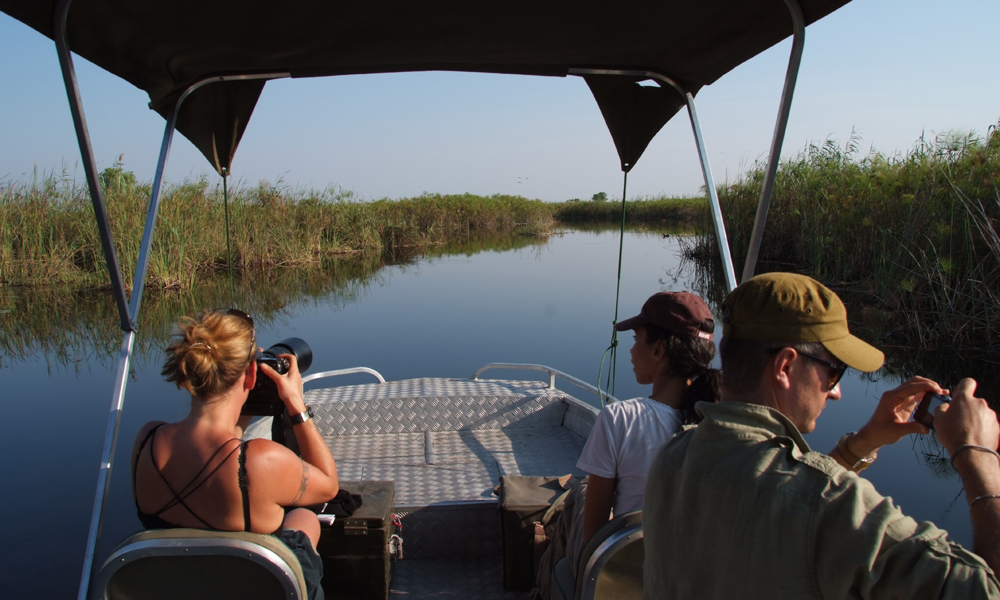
x,y
164,47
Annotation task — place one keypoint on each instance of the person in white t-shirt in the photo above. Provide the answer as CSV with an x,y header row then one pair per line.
x,y
672,351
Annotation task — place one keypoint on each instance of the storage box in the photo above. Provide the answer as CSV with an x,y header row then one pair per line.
x,y
355,549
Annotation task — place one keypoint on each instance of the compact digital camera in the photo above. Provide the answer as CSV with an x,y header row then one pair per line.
x,y
925,410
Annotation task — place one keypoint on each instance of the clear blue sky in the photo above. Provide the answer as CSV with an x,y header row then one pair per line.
x,y
888,69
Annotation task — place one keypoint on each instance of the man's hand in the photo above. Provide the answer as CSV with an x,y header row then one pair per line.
x,y
966,420
289,385
969,420
891,420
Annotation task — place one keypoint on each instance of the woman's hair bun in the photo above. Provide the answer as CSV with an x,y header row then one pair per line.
x,y
209,353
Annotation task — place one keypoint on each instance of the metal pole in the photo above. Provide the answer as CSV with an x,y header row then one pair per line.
x,y
104,475
706,169
128,326
89,164
794,60
713,197
154,206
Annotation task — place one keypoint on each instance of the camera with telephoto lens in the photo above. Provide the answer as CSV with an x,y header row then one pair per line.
x,y
263,399
925,410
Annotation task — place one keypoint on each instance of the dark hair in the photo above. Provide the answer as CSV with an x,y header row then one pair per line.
x,y
744,361
690,357
209,353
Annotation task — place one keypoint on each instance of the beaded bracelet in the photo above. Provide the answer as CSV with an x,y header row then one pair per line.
x,y
983,497
973,447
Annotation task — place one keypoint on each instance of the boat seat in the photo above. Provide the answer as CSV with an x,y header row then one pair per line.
x,y
610,564
197,564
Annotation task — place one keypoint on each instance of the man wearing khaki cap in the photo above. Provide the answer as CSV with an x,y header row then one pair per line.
x,y
740,507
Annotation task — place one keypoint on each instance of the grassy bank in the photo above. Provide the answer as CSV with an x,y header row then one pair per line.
x,y
912,238
650,211
48,235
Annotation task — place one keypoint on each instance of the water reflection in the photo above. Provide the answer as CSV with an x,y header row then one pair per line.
x,y
75,327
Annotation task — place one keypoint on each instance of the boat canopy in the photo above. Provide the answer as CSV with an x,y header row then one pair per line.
x,y
164,48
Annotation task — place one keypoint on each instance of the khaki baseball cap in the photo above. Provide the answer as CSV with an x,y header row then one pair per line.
x,y
787,307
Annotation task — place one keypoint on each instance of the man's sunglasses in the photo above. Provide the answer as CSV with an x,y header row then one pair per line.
x,y
249,321
836,371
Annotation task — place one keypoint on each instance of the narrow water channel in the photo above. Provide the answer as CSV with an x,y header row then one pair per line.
x,y
550,302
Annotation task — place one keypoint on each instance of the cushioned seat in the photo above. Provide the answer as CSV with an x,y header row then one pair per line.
x,y
610,564
196,564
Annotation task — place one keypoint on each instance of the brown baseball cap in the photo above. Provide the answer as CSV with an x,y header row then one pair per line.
x,y
679,312
787,307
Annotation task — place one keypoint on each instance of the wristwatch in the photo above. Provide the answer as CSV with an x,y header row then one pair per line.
x,y
857,464
302,417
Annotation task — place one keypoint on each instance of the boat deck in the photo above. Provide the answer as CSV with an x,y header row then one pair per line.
x,y
444,578
446,443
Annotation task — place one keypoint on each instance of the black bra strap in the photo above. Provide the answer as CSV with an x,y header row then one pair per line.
x,y
192,486
244,485
188,490
135,465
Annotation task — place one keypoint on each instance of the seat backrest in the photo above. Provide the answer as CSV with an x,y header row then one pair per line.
x,y
611,562
196,564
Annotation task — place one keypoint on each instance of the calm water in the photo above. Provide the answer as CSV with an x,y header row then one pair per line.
x,y
550,303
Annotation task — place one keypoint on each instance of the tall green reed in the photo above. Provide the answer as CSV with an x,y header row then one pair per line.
x,y
48,235
913,237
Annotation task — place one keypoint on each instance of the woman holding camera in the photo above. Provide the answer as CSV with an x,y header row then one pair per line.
x,y
198,473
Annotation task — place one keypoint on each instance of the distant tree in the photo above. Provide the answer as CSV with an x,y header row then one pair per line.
x,y
600,197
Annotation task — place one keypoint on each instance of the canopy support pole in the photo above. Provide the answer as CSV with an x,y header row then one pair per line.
x,y
59,18
139,282
713,196
59,32
706,168
791,76
128,311
124,364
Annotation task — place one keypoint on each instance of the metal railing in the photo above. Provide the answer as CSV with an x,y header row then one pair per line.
x,y
553,373
339,372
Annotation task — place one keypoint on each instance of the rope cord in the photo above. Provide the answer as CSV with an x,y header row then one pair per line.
x,y
229,248
613,348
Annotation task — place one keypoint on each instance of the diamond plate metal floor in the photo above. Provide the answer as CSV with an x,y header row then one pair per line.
x,y
444,578
445,443
465,466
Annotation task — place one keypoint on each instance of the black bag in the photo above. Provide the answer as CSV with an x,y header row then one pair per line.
x,y
355,549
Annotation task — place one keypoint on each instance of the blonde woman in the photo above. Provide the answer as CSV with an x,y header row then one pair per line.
x,y
197,472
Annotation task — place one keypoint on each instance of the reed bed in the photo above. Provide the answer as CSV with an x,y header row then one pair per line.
x,y
659,211
910,239
48,235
